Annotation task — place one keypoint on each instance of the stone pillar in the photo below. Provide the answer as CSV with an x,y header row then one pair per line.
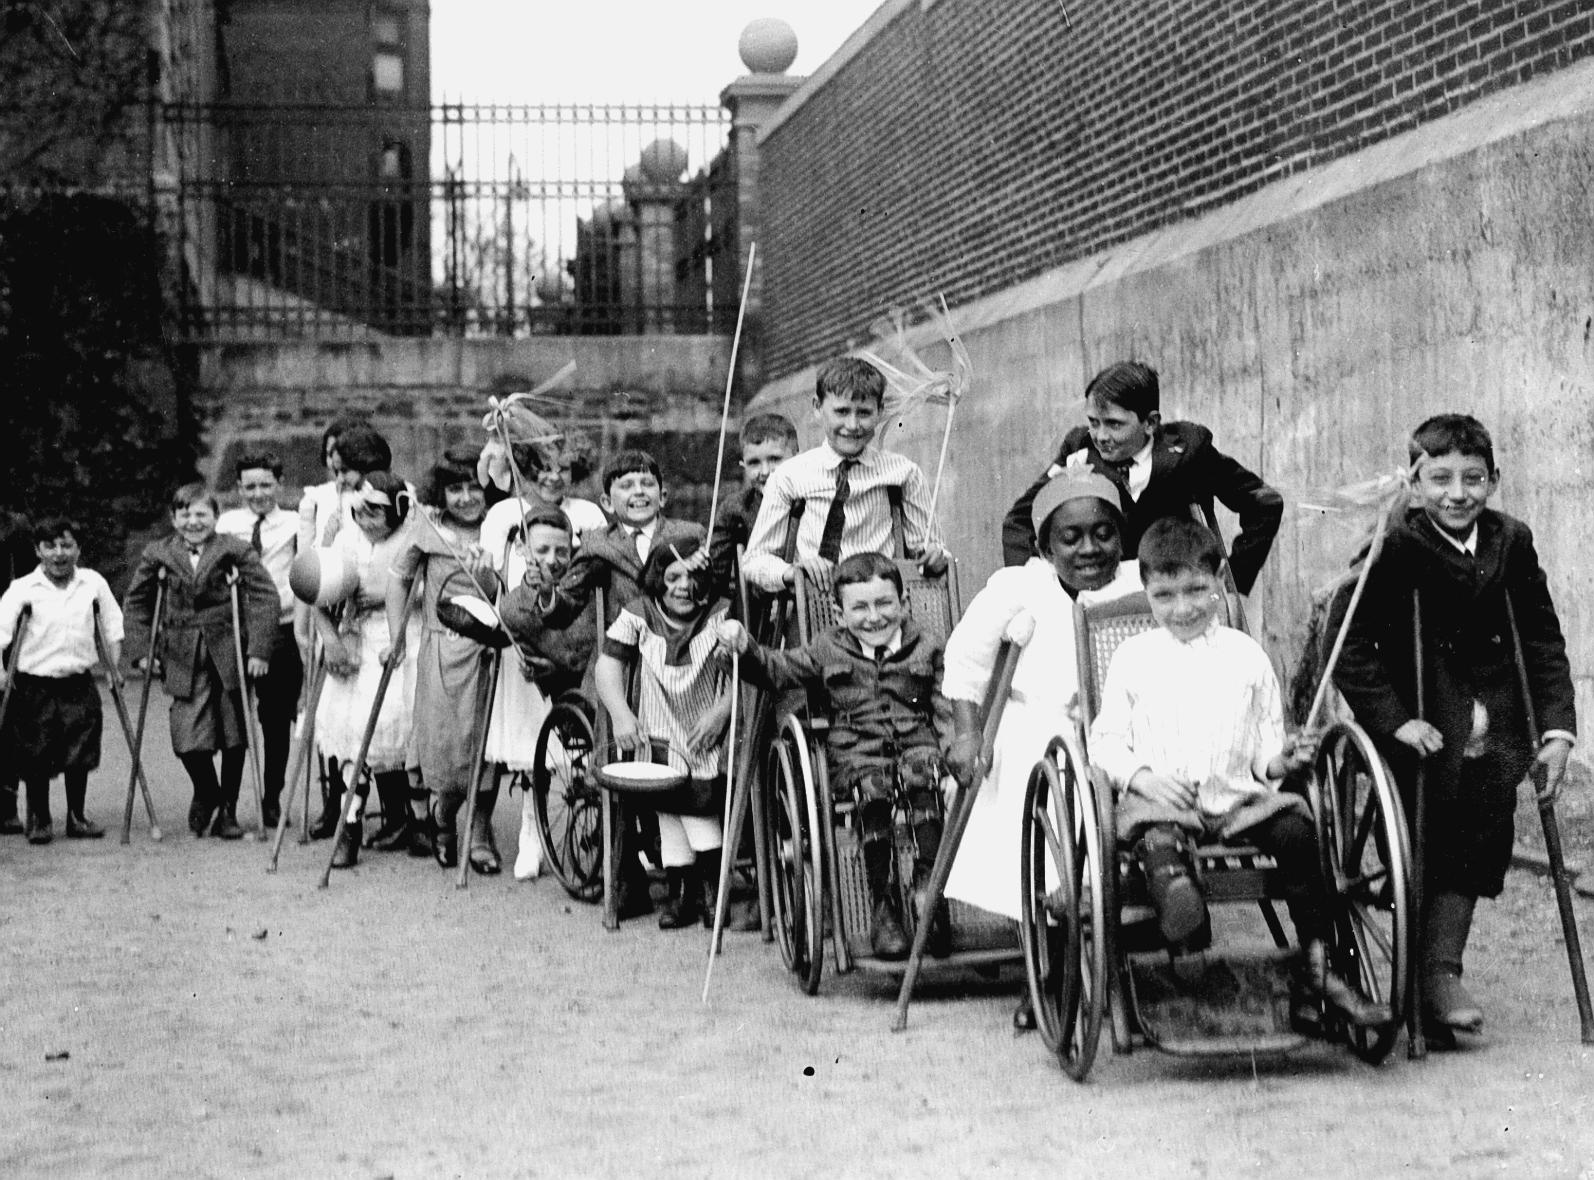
x,y
767,48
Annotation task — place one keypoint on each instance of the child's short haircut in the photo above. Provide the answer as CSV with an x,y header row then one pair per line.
x,y
193,493
849,378
259,461
1175,544
335,430
864,567
445,474
661,557
398,496
630,463
49,528
764,428
1128,384
1452,434
362,449
553,518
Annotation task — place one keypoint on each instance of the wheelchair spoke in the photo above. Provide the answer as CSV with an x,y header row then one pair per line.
x,y
1053,843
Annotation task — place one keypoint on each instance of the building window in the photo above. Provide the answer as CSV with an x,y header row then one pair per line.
x,y
385,29
387,73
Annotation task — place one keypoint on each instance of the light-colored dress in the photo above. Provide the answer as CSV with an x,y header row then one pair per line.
x,y
345,705
1045,683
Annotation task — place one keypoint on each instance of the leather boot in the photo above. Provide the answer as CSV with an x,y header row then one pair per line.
x,y
707,871
681,907
483,848
1173,891
347,854
226,825
887,939
1445,1001
10,825
80,828
77,826
1338,993
331,800
445,836
392,787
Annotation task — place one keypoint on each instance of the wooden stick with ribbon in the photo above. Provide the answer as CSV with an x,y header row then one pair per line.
x,y
730,380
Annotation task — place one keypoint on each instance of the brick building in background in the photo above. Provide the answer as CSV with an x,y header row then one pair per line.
x,y
1320,222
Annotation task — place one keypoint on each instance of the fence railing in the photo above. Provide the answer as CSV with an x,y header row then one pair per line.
x,y
455,219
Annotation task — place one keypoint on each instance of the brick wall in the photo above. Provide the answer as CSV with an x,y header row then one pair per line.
x,y
969,145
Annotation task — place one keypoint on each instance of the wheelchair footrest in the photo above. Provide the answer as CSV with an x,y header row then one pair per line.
x,y
1207,1005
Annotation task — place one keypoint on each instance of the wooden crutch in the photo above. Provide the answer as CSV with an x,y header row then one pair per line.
x,y
157,617
246,698
13,661
486,694
300,756
351,784
1019,632
737,794
113,675
1416,1039
1552,839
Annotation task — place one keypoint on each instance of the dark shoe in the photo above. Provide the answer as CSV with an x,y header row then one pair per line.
x,y
887,939
1339,994
10,825
631,899
347,854
420,844
484,858
684,906
741,915
78,828
40,831
1024,1015
199,814
391,837
445,849
226,826
1175,896
1447,1003
270,817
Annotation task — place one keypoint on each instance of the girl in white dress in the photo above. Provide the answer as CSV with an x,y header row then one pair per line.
x,y
354,650
1078,521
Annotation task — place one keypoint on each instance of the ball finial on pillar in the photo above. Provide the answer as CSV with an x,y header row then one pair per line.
x,y
768,45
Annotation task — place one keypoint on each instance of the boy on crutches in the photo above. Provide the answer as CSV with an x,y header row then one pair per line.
x,y
53,716
197,649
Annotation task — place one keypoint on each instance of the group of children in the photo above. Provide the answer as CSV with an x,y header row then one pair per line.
x,y
1190,733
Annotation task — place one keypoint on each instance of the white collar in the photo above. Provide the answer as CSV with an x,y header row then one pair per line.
x,y
834,458
1467,544
892,645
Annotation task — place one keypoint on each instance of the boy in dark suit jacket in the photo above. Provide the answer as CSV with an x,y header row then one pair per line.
x,y
611,558
1166,468
1466,565
196,653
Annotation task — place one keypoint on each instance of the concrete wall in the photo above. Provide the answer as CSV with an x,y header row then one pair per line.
x,y
1312,325
663,393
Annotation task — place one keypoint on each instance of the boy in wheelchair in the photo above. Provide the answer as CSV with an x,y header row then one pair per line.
x,y
874,677
1191,736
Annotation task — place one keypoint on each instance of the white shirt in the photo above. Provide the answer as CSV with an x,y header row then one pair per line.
x,y
1207,712
279,541
1136,477
59,637
810,477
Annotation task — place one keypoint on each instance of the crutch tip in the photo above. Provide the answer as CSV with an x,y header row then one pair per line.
x,y
154,834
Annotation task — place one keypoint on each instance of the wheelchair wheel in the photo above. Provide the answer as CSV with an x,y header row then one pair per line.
x,y
1366,853
1063,907
568,806
794,853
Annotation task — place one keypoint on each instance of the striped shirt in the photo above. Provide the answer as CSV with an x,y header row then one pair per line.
x,y
810,478
672,697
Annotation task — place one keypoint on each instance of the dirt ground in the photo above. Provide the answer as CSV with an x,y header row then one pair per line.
x,y
171,1010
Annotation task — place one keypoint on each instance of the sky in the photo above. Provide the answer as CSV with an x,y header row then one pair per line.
x,y
615,50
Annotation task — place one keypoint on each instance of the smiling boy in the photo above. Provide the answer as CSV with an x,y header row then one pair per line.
x,y
54,721
1470,569
843,491
874,676
1163,468
273,533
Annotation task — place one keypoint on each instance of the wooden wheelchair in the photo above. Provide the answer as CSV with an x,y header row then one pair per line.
x,y
818,888
566,798
1088,937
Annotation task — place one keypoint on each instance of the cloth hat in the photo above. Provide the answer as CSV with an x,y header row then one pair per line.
x,y
1072,483
461,608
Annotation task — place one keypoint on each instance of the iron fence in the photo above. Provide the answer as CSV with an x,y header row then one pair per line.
x,y
454,219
